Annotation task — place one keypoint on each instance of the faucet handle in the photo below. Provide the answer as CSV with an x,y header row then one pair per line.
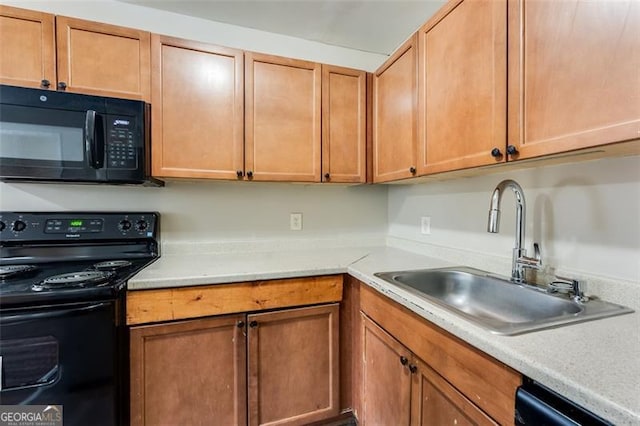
x,y
576,288
534,262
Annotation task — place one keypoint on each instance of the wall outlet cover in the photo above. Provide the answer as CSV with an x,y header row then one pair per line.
x,y
425,225
295,222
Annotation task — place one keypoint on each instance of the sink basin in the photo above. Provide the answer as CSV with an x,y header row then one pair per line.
x,y
497,304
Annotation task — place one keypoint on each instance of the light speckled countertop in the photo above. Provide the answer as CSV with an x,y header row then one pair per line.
x,y
596,363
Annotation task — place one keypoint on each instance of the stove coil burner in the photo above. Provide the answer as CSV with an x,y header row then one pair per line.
x,y
13,270
110,265
73,279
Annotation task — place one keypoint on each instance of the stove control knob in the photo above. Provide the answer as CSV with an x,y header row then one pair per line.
x,y
124,225
2,226
18,226
142,225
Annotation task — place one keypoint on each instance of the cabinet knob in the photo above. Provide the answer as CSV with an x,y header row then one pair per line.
x,y
412,170
495,152
240,324
45,84
512,150
253,324
413,368
62,86
250,174
403,360
239,173
327,176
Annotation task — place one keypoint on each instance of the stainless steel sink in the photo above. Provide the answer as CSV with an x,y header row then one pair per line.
x,y
497,304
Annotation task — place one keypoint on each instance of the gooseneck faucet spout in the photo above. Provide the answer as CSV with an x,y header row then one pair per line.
x,y
519,261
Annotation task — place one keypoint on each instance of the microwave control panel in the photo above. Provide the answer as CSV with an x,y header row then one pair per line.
x,y
121,146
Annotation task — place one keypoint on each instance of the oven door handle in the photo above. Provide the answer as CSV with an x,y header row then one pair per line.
x,y
91,140
25,317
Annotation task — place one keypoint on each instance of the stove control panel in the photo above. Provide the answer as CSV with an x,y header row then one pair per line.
x,y
47,226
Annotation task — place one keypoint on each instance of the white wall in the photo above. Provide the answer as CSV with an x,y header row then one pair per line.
x,y
176,25
585,215
223,211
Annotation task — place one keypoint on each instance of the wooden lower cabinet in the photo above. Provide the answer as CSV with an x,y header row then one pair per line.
x,y
293,366
197,372
398,388
189,372
451,382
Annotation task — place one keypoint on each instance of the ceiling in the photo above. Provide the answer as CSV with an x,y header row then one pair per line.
x,y
376,26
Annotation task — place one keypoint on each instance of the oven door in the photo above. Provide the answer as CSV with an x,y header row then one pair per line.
x,y
65,355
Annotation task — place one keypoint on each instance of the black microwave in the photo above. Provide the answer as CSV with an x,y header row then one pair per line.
x,y
67,137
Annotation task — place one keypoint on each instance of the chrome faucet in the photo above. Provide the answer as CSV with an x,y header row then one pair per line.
x,y
520,261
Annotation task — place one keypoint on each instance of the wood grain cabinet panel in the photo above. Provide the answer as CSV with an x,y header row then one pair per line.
x,y
189,373
198,110
435,402
102,59
573,74
386,379
344,121
282,121
463,80
27,47
395,111
293,366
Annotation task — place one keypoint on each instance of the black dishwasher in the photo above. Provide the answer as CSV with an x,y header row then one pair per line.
x,y
537,405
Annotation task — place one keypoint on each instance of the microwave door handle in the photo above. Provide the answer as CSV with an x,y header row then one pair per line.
x,y
90,138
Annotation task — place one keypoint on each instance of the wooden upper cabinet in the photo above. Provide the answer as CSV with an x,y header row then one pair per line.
x,y
102,59
395,110
293,366
344,121
574,74
463,85
282,119
189,373
198,109
27,47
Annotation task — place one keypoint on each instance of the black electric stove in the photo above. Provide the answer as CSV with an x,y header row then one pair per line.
x,y
63,335
53,258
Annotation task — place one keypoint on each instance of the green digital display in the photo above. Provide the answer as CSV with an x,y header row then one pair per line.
x,y
75,222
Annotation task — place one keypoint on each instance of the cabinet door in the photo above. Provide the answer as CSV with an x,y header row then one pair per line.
x,y
189,373
282,123
344,121
395,110
573,74
463,87
435,402
27,47
386,379
293,366
198,110
102,59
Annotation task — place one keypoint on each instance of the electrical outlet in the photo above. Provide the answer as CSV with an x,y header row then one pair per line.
x,y
425,225
295,222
